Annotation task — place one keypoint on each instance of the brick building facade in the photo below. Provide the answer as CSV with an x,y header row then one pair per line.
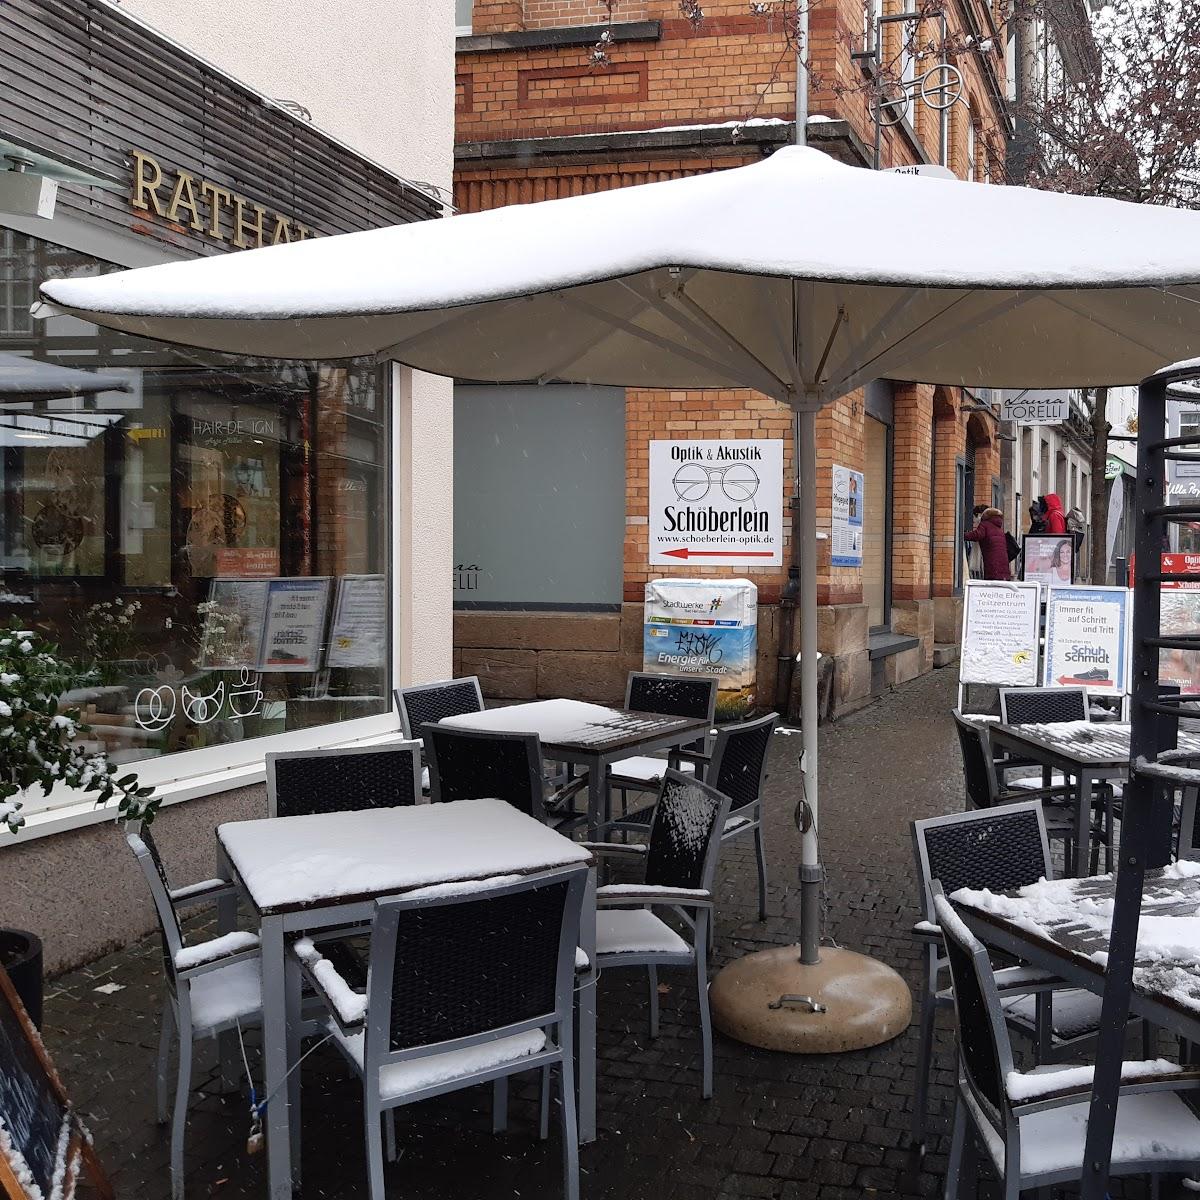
x,y
538,118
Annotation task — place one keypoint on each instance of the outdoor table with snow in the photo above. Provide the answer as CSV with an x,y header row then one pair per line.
x,y
1063,925
312,872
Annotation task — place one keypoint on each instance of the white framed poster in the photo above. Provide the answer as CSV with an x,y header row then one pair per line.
x,y
295,623
358,636
234,614
1000,634
718,502
1088,639
846,535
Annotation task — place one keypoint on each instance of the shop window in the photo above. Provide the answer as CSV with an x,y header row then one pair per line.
x,y
539,496
211,541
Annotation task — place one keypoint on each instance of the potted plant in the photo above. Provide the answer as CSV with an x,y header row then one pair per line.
x,y
40,746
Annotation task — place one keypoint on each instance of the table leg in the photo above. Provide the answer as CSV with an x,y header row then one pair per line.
x,y
275,1064
228,1054
586,1042
293,985
597,792
1083,823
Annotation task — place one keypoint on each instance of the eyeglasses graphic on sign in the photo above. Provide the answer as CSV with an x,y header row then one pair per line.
x,y
738,480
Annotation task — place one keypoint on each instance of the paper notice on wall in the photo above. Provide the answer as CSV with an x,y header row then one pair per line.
x,y
1087,639
1000,634
846,534
295,624
359,635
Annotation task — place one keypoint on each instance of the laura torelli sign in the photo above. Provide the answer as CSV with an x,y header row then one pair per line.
x,y
718,502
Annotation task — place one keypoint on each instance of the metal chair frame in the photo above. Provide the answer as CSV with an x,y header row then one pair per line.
x,y
999,1123
406,749
1016,982
693,905
177,1022
557,1023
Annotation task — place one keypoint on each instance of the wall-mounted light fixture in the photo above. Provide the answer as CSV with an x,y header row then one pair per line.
x,y
30,178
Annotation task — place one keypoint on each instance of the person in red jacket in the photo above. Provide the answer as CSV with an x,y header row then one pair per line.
x,y
1056,519
989,533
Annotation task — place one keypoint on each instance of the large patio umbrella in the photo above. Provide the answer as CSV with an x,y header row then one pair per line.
x,y
797,276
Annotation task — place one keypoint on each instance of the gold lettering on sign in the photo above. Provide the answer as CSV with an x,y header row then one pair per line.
x,y
146,185
209,209
184,197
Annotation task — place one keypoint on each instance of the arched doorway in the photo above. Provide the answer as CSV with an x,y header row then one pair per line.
x,y
966,491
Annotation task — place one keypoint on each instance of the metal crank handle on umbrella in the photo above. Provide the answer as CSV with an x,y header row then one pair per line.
x,y
789,1001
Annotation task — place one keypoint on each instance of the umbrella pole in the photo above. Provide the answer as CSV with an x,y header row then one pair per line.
x,y
796,998
810,854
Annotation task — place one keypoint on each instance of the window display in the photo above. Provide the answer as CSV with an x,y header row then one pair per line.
x,y
187,534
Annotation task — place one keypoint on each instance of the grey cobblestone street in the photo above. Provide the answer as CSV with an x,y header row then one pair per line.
x,y
779,1127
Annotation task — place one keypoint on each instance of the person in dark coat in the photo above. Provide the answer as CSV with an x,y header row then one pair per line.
x,y
1037,523
989,533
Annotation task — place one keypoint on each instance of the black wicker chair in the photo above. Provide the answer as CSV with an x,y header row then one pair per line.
x,y
476,764
997,848
680,865
737,768
301,783
672,696
464,989
211,987
1033,1125
428,703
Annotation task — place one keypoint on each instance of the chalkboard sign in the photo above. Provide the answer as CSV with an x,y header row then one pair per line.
x,y
41,1143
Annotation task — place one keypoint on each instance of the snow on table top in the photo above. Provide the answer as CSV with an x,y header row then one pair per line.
x,y
1076,914
562,722
289,862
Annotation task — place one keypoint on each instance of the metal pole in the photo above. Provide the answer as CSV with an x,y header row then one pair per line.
x,y
801,134
1141,809
810,854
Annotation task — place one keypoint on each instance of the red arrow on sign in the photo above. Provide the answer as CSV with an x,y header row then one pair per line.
x,y
684,552
1064,679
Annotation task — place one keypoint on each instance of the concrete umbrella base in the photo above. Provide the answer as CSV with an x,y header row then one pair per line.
x,y
864,1001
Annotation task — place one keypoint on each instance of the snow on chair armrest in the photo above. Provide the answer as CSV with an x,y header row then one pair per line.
x,y
641,893
347,1005
206,889
1045,1087
225,946
616,849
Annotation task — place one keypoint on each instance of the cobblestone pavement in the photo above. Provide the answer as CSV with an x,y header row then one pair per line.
x,y
779,1126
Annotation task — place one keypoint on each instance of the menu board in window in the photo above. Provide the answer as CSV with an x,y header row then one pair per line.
x,y
359,635
295,624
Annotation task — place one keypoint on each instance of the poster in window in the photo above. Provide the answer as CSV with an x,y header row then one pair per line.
x,y
847,531
233,619
295,624
359,635
1048,559
1179,614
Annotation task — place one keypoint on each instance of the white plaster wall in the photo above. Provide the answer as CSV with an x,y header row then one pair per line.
x,y
379,76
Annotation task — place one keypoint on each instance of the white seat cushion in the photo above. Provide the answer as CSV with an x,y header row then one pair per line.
x,y
404,1078
1034,782
228,992
636,931
1076,1012
1154,1126
646,769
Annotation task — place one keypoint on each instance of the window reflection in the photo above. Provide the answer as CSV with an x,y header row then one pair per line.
x,y
200,536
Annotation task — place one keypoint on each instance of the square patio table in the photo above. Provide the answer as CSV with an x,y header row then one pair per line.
x,y
1054,925
1085,751
588,735
327,870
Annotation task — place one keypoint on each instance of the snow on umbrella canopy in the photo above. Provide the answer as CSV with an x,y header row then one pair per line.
x,y
772,276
